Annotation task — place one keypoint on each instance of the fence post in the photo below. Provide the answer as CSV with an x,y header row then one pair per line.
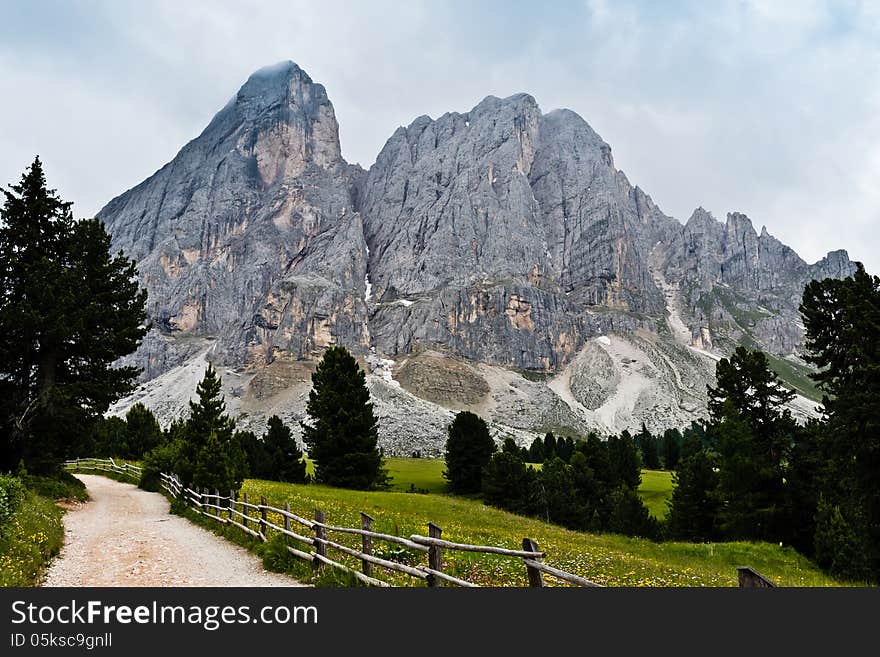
x,y
750,578
231,504
247,511
367,543
217,503
320,536
536,578
435,555
263,518
287,522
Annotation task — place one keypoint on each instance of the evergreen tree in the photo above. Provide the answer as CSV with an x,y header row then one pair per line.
x,y
142,431
342,435
209,455
671,448
806,480
536,451
109,438
68,311
285,456
549,445
596,452
559,501
630,516
564,448
755,434
626,467
592,492
694,506
259,463
468,450
648,449
842,327
507,482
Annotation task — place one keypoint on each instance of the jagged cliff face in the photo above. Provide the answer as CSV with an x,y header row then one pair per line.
x,y
231,236
740,286
480,247
504,236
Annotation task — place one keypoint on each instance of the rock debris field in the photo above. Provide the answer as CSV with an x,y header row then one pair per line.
x,y
124,536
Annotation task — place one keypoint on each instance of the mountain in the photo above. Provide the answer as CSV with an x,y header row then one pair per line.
x,y
495,261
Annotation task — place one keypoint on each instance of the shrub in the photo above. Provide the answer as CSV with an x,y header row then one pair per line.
x,y
11,494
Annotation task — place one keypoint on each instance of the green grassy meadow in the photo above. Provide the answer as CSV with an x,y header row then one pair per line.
x,y
655,490
607,559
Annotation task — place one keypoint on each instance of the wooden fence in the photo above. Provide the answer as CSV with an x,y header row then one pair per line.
x,y
254,519
105,465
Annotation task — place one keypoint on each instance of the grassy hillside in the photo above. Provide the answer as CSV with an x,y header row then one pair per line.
x,y
422,474
656,488
607,559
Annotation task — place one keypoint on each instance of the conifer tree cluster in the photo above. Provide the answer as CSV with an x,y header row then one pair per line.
x,y
68,310
588,484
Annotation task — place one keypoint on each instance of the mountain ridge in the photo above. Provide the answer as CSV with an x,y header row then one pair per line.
x,y
501,240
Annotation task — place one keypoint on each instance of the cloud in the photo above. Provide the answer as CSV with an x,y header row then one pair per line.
x,y
765,107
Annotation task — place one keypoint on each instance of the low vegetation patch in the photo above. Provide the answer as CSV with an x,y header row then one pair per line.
x,y
30,537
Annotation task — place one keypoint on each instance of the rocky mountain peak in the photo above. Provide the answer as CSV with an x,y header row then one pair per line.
x,y
701,218
494,256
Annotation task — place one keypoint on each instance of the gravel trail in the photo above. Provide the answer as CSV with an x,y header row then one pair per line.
x,y
124,536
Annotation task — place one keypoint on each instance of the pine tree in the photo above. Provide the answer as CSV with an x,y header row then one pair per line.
x,y
559,501
694,506
507,482
647,445
468,450
68,311
536,451
549,445
210,455
755,435
142,430
342,436
671,448
842,327
626,466
259,464
285,456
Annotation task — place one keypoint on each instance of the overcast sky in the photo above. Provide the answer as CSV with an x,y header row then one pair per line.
x,y
771,108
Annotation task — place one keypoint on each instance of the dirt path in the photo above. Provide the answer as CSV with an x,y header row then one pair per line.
x,y
124,536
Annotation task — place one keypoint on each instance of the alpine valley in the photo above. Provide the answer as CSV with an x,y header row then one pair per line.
x,y
494,260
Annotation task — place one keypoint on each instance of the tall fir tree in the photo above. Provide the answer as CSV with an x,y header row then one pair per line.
x,y
626,464
68,311
210,454
468,450
842,328
694,505
647,445
142,430
285,456
754,432
342,436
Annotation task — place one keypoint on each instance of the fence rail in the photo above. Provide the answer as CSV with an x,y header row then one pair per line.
x,y
253,519
105,465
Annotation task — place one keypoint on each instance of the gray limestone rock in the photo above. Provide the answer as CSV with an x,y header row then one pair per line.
x,y
502,240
